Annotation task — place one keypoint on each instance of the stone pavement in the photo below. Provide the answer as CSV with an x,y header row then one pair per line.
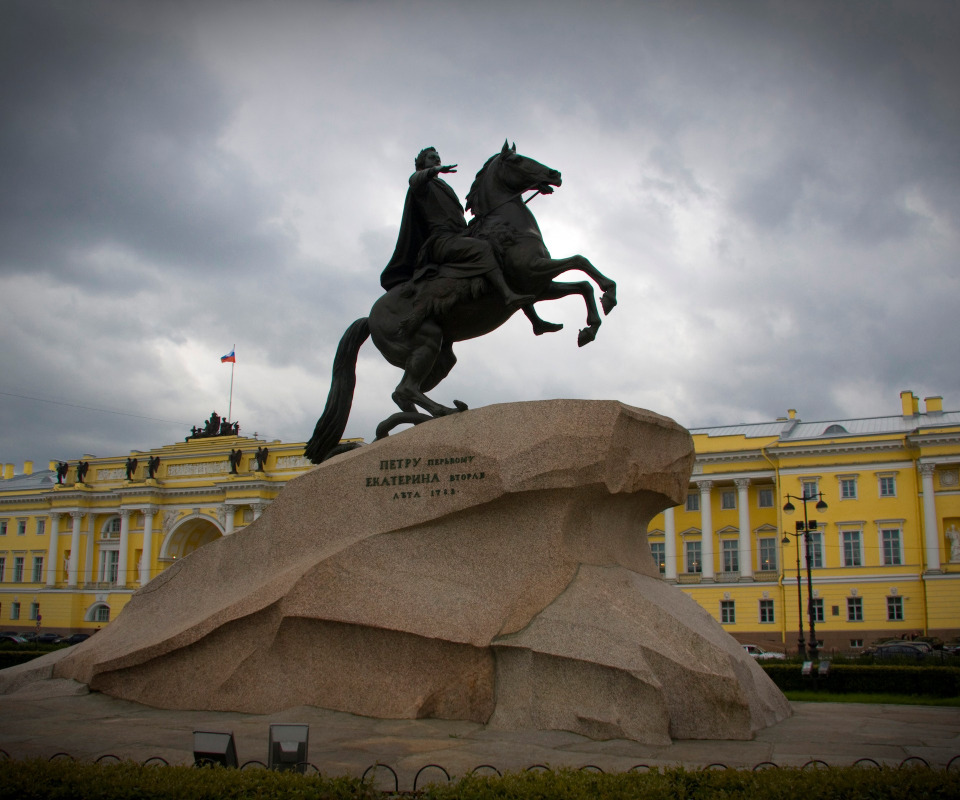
x,y
52,716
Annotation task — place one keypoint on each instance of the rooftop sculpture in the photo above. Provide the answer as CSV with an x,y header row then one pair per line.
x,y
449,281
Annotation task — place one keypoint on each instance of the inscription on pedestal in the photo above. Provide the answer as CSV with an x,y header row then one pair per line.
x,y
416,478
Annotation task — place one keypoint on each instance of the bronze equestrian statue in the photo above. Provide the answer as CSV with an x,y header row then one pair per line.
x,y
438,286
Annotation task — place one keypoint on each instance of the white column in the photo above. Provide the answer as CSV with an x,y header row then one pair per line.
x,y
258,509
74,549
670,544
229,519
122,579
746,540
146,563
91,544
931,536
706,527
52,553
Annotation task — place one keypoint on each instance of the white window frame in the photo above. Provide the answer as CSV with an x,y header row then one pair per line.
x,y
661,566
19,562
21,527
728,612
726,550
768,604
728,500
819,610
34,611
816,549
763,493
761,567
843,483
806,483
15,609
883,527
886,476
844,532
686,556
693,502
37,570
3,527
855,603
110,532
41,526
109,564
895,602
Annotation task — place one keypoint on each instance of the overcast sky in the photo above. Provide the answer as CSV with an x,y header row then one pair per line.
x,y
775,186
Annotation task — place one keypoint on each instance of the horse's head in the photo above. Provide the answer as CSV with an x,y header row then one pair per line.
x,y
520,173
507,174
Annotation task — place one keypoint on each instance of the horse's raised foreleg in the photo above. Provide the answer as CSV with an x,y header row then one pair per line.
x,y
557,266
557,289
425,349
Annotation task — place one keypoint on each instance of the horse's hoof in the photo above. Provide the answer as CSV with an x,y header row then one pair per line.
x,y
461,406
586,336
608,301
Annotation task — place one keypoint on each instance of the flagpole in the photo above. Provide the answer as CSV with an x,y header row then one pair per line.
x,y
233,364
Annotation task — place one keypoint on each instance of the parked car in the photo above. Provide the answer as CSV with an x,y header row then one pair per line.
x,y
76,638
903,649
12,638
48,638
762,655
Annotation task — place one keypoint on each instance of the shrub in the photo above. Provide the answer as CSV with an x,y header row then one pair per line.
x,y
870,679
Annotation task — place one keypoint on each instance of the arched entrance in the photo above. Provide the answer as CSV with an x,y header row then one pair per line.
x,y
192,533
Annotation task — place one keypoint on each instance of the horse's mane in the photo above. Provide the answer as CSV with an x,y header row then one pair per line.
x,y
475,188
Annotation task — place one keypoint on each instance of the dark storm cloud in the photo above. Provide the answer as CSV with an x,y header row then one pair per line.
x,y
110,138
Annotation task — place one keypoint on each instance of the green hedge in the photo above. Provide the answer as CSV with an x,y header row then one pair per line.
x,y
870,679
61,779
10,658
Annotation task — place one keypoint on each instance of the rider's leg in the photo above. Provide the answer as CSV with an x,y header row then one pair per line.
x,y
540,326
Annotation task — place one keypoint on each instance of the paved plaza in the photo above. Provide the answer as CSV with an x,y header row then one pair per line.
x,y
60,716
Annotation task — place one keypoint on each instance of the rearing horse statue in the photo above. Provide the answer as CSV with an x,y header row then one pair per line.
x,y
415,324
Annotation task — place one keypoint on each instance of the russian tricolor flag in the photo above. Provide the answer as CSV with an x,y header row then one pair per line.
x,y
229,357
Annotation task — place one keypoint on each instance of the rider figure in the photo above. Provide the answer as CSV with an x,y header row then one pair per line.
x,y
433,235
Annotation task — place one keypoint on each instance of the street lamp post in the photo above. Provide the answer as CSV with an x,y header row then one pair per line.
x,y
805,528
801,644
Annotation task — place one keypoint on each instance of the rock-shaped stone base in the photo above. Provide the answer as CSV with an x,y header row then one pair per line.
x,y
490,566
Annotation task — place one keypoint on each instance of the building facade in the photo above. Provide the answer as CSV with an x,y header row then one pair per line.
x,y
884,554
72,553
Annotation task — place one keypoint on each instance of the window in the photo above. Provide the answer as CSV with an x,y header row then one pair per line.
x,y
37,569
3,527
818,614
766,611
728,612
816,550
3,564
890,541
18,569
731,555
768,553
765,498
15,610
658,551
848,488
34,610
102,614
21,527
41,527
109,560
693,557
810,488
854,609
112,529
856,644
852,556
888,485
895,609
693,501
728,499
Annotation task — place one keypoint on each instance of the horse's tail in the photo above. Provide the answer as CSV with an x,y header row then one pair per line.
x,y
333,421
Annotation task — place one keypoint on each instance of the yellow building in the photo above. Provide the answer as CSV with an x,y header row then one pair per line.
x,y
885,553
72,553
